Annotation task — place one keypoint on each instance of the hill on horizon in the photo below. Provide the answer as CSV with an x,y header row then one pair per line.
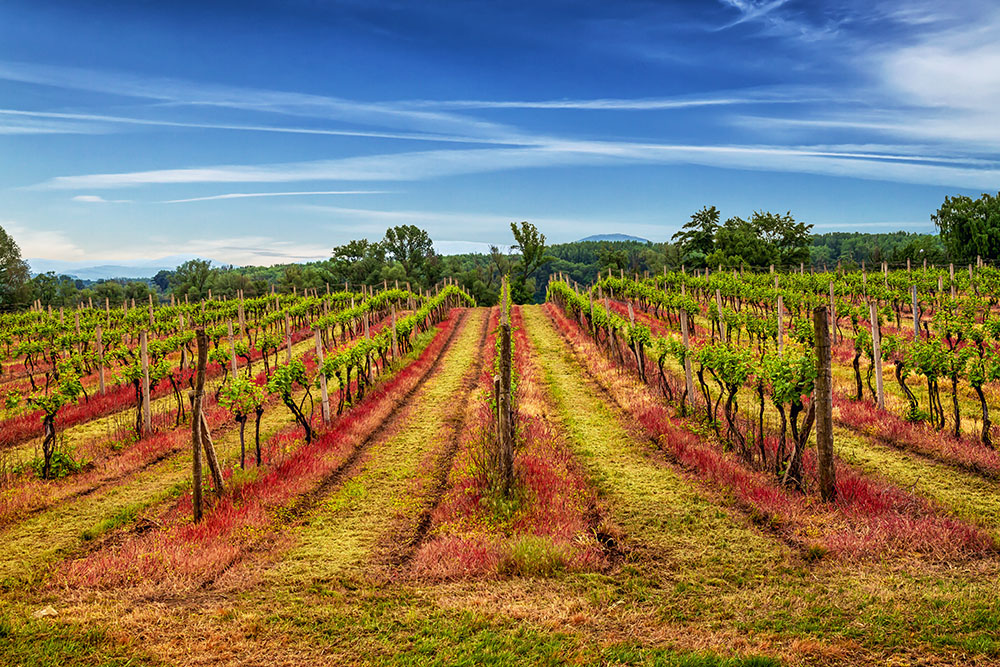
x,y
614,237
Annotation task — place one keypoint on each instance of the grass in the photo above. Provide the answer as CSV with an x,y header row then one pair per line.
x,y
654,504
967,495
45,643
28,548
344,532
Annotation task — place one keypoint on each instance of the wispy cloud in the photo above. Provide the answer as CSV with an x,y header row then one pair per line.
x,y
244,195
182,92
22,121
97,199
752,9
783,95
424,165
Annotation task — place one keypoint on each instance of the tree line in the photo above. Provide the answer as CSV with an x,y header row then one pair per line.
x,y
967,228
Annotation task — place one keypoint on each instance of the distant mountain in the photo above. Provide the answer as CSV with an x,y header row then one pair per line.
x,y
614,237
133,269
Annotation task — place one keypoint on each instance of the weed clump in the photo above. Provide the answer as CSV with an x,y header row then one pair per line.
x,y
533,556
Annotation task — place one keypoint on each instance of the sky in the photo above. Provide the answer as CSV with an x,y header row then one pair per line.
x,y
258,132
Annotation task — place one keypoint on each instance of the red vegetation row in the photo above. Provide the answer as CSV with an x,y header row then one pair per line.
x,y
183,553
869,518
470,536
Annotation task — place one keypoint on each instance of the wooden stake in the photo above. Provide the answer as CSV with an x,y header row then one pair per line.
x,y
685,338
781,325
824,406
196,405
100,361
877,354
324,395
232,349
147,420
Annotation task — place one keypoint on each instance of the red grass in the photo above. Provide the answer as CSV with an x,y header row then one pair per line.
x,y
891,429
869,518
183,553
469,538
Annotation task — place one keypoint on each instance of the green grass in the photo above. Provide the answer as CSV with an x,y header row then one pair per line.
x,y
653,503
341,534
50,643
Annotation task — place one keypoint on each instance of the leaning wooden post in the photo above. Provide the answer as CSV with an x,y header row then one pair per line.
x,y
915,308
685,338
147,419
199,392
824,406
100,361
232,349
324,395
288,338
506,425
877,354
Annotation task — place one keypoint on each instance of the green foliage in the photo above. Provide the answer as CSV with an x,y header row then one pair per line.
x,y
285,379
13,274
61,465
696,239
531,243
970,227
241,396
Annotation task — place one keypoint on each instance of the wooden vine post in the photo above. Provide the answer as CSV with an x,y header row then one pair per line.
x,y
686,339
199,392
183,347
232,349
824,406
201,438
288,338
833,316
504,405
147,420
100,361
915,308
395,343
781,325
324,395
877,354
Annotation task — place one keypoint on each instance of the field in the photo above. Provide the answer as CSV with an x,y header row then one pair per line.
x,y
652,520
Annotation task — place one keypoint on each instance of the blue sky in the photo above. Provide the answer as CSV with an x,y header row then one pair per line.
x,y
262,132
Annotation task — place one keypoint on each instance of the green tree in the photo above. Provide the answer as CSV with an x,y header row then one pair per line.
x,y
410,246
191,279
13,273
696,239
531,244
970,227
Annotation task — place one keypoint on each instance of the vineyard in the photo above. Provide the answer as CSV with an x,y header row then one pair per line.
x,y
693,468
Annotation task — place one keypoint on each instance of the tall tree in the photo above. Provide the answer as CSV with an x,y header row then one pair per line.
x,y
531,243
970,227
191,278
13,273
410,246
696,239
